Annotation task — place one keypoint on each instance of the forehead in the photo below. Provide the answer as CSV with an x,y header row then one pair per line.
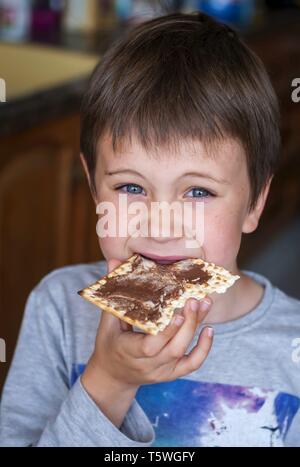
x,y
225,157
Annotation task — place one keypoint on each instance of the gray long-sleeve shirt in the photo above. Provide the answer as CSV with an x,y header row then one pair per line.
x,y
247,393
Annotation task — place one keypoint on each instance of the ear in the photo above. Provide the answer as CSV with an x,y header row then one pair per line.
x,y
85,168
252,219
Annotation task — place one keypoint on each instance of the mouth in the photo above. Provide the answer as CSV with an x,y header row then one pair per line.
x,y
163,259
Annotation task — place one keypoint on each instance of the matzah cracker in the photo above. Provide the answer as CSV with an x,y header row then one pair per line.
x,y
145,293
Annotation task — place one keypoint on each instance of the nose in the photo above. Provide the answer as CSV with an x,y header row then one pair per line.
x,y
166,221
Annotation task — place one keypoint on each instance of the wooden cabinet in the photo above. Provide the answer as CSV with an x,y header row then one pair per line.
x,y
47,216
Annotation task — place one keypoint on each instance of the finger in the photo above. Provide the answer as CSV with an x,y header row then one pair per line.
x,y
205,306
194,311
109,324
191,362
147,345
150,346
125,326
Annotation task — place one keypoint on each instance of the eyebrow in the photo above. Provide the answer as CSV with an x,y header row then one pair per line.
x,y
115,172
187,174
205,175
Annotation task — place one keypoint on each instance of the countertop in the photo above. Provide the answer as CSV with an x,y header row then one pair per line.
x,y
56,99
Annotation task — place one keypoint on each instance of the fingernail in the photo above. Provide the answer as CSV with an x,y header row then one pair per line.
x,y
194,305
210,331
205,304
178,320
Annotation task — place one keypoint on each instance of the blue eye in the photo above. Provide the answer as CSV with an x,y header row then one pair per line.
x,y
200,193
131,188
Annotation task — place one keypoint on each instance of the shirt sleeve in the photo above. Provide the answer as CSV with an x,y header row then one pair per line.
x,y
38,407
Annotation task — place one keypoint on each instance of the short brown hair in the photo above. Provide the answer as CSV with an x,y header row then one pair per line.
x,y
183,76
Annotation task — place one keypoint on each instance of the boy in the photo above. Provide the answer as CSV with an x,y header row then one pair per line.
x,y
178,110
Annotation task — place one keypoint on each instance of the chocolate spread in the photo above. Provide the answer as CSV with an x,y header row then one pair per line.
x,y
146,289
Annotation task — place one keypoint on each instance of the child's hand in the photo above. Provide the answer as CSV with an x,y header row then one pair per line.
x,y
123,360
134,358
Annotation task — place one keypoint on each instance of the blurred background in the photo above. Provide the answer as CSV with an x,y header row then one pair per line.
x,y
48,48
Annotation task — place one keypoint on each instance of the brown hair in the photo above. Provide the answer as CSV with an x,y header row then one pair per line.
x,y
183,76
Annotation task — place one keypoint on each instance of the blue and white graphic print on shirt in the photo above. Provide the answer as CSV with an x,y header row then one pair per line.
x,y
194,413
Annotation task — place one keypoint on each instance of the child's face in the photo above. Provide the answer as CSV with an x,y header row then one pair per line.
x,y
188,176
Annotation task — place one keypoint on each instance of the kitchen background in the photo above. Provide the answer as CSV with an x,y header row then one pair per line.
x,y
47,219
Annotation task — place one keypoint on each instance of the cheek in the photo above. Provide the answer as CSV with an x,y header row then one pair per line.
x,y
222,236
106,246
110,246
114,246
